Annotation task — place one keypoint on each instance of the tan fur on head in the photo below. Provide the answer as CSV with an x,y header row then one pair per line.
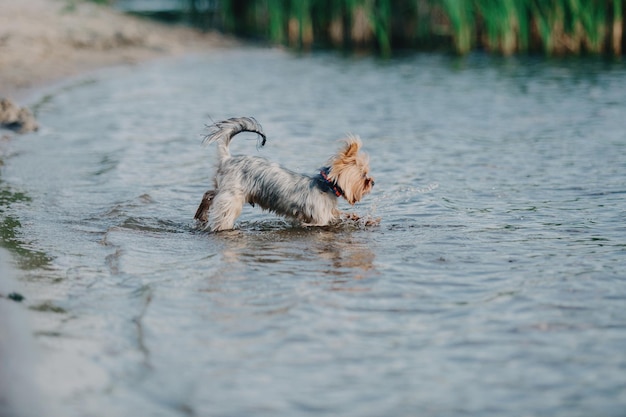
x,y
349,169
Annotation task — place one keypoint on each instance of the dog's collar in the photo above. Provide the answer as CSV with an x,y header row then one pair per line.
x,y
331,184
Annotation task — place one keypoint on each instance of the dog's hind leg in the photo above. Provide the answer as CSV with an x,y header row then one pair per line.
x,y
225,209
202,214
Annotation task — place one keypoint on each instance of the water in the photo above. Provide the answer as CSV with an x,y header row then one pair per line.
x,y
494,284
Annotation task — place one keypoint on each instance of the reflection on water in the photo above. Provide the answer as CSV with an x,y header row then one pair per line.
x,y
494,276
26,257
335,252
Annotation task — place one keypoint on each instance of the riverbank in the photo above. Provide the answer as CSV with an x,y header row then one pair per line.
x,y
42,41
19,394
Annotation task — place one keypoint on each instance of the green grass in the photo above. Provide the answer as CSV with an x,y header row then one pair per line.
x,y
552,27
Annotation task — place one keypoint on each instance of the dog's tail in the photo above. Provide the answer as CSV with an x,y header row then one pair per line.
x,y
224,131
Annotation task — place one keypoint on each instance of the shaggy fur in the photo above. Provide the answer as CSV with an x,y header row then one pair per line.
x,y
311,200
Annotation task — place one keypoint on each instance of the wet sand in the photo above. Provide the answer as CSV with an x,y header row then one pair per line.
x,y
43,41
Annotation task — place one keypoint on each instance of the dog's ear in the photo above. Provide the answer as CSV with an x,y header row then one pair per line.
x,y
353,144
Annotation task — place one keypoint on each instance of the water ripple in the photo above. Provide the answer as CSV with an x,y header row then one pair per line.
x,y
495,274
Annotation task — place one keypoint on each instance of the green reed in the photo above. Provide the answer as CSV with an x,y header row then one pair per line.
x,y
554,27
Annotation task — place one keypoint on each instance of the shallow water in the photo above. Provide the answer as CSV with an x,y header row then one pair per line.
x,y
494,284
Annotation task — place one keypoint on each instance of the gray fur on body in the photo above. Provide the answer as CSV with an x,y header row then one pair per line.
x,y
260,182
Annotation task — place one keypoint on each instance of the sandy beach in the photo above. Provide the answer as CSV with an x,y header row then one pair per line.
x,y
42,41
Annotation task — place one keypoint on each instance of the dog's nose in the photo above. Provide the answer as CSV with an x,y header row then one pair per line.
x,y
373,182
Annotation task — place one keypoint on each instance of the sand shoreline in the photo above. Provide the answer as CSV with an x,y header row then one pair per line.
x,y
45,41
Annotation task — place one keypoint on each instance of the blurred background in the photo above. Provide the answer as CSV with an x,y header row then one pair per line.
x,y
555,27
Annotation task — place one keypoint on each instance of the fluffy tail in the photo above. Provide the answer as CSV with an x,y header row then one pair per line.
x,y
224,131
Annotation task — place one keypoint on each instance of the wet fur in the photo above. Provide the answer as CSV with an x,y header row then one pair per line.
x,y
311,200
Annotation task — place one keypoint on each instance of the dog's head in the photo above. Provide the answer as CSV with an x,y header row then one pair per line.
x,y
349,169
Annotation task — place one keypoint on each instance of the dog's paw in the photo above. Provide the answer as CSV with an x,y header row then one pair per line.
x,y
361,221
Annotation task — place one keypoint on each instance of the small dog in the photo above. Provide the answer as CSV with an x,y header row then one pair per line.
x,y
310,200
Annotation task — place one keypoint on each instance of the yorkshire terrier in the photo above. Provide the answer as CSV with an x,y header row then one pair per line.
x,y
310,200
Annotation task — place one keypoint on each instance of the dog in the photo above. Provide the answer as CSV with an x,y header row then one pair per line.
x,y
309,200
